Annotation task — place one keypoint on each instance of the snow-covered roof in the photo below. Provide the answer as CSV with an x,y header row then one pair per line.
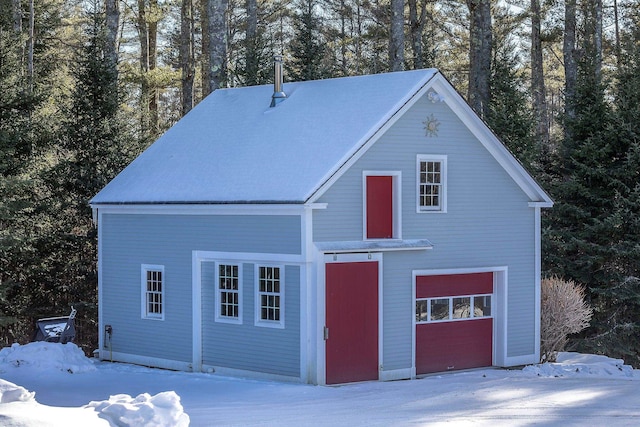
x,y
234,148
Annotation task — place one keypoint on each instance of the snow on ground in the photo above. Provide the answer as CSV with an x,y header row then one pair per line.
x,y
71,390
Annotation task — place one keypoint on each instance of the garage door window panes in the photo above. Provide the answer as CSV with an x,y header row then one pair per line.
x,y
482,306
452,308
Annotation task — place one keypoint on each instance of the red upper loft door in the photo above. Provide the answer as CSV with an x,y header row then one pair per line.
x,y
379,207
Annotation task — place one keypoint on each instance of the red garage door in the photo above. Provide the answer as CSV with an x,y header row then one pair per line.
x,y
352,322
454,324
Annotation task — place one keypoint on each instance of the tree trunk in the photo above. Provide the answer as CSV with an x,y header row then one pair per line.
x,y
597,38
17,15
153,63
251,40
537,79
416,24
143,35
32,25
359,34
217,29
480,39
570,63
396,36
147,33
344,68
113,25
204,57
187,61
617,31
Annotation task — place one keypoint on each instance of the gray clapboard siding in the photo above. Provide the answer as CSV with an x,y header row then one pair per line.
x,y
246,346
130,240
488,223
398,310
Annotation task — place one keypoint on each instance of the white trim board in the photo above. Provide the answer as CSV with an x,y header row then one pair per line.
x,y
250,257
136,359
204,209
243,373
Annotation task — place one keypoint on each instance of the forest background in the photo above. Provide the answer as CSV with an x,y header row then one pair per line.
x,y
86,85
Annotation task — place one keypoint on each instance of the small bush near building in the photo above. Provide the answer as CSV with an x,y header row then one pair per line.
x,y
564,311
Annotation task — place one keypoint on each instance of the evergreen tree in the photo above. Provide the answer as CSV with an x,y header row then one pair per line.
x,y
510,114
307,48
592,233
91,150
26,119
617,303
16,106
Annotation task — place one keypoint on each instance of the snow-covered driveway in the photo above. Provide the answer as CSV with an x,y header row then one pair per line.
x,y
582,390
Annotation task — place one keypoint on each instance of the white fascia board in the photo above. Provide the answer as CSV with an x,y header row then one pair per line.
x,y
204,209
273,258
489,140
540,204
370,138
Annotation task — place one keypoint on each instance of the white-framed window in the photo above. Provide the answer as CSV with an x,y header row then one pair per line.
x,y
446,309
270,295
431,190
153,286
229,292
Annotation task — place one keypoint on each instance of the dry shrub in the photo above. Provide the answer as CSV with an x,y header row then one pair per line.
x,y
564,311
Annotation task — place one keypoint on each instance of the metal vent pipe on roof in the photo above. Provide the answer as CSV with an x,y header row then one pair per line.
x,y
278,81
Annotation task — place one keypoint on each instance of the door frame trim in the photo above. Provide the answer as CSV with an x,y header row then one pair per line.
x,y
322,305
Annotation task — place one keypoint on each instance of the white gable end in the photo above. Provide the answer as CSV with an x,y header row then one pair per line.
x,y
442,91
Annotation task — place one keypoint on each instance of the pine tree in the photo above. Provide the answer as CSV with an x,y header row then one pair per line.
x,y
592,234
509,113
307,48
617,304
16,143
91,150
26,119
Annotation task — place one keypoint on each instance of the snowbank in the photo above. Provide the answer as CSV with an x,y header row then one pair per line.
x,y
163,409
45,356
581,365
9,392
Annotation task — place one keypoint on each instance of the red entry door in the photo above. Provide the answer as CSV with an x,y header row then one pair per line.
x,y
352,322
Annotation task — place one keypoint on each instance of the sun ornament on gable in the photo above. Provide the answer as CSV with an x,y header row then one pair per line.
x,y
431,125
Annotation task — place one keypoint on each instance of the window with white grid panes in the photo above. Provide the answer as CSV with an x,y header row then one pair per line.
x,y
153,292
431,189
270,296
229,297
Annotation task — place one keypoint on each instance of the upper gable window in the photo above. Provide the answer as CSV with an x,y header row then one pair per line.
x,y
381,205
432,183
